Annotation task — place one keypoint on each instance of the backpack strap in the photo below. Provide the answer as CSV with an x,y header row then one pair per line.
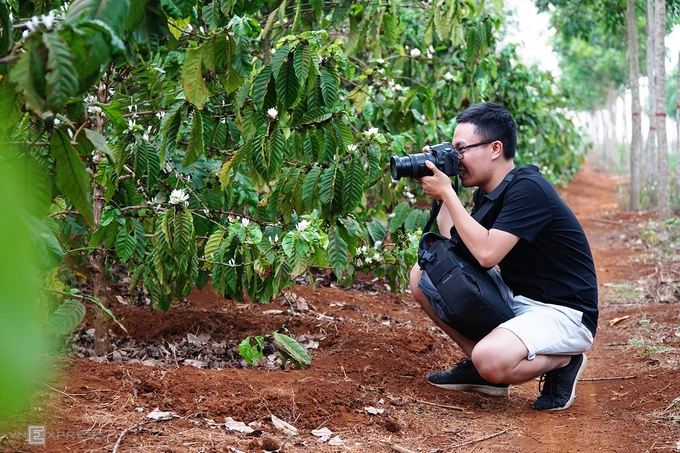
x,y
498,191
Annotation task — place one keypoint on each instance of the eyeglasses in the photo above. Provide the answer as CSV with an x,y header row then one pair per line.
x,y
461,149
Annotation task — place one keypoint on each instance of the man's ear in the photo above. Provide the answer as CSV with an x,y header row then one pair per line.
x,y
496,149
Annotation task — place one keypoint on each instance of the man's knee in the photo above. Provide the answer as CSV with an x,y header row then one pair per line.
x,y
414,278
488,363
497,355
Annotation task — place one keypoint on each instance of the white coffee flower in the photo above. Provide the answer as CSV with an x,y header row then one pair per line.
x,y
415,52
178,196
33,23
448,76
351,147
377,244
273,113
245,222
48,20
373,132
302,226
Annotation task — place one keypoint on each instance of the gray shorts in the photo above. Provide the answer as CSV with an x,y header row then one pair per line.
x,y
543,328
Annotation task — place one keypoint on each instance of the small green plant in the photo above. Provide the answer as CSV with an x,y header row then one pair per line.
x,y
644,343
252,350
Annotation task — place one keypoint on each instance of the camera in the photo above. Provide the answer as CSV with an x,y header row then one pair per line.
x,y
442,155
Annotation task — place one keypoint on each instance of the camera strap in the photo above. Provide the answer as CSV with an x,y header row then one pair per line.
x,y
437,206
491,197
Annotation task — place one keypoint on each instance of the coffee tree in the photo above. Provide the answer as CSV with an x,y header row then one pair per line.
x,y
243,143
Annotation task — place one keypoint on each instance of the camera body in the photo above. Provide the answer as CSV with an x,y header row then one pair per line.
x,y
442,155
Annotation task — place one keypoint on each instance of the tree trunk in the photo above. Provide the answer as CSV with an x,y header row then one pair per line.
x,y
651,149
98,255
636,123
610,156
677,137
660,88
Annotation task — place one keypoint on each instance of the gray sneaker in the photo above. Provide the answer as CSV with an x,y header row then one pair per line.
x,y
464,377
558,386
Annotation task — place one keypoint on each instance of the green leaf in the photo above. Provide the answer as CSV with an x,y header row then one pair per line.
x,y
113,13
376,230
337,251
302,59
278,59
10,105
289,349
400,212
99,142
309,188
170,129
251,352
113,111
125,245
412,222
196,147
327,183
211,246
47,248
195,89
354,35
329,88
154,164
260,86
65,318
287,84
353,185
72,177
28,72
316,115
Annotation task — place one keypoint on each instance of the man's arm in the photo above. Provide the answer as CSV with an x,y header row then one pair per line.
x,y
444,221
489,247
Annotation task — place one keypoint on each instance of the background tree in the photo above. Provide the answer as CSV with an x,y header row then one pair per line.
x,y
661,108
636,123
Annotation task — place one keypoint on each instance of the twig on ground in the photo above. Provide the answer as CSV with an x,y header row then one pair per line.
x,y
445,406
396,447
64,393
477,440
127,430
137,425
613,378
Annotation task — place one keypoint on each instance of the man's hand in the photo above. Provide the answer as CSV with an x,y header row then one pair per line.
x,y
437,186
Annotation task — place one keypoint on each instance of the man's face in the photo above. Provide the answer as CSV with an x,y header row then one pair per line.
x,y
475,165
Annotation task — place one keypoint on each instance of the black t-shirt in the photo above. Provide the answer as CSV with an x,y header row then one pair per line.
x,y
552,261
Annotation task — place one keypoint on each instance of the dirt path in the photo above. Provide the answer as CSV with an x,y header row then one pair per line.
x,y
374,349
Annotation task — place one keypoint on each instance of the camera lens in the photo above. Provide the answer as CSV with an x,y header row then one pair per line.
x,y
400,167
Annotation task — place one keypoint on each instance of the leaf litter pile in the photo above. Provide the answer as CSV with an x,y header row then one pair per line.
x,y
176,383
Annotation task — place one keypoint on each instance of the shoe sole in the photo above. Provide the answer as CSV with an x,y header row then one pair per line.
x,y
485,389
573,389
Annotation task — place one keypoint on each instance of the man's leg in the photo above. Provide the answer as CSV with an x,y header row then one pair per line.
x,y
502,357
464,376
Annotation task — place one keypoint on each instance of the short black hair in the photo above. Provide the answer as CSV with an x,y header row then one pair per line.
x,y
492,122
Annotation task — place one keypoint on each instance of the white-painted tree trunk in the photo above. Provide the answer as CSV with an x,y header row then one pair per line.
x,y
636,123
664,202
651,153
